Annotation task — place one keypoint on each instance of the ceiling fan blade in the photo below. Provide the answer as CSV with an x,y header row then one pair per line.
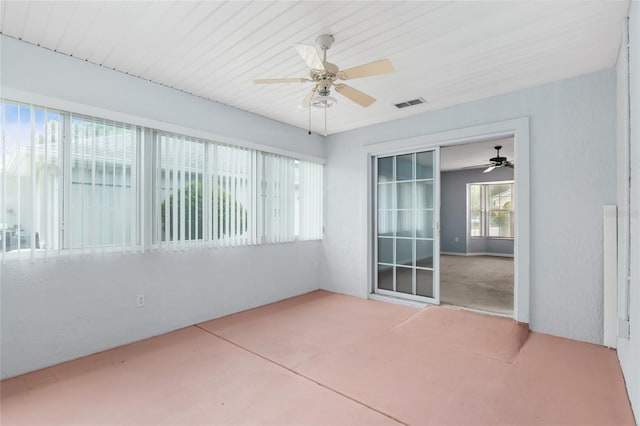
x,y
307,99
355,95
374,68
475,167
280,80
310,56
509,164
488,169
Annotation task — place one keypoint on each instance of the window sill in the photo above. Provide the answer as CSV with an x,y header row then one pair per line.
x,y
492,238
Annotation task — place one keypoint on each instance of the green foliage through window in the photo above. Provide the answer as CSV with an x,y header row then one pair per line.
x,y
191,197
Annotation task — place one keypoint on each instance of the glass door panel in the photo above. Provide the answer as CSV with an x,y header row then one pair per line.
x,y
424,283
404,280
404,167
385,277
406,226
424,253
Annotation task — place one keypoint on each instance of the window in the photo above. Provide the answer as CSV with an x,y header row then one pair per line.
x,y
234,199
31,178
230,196
179,189
491,210
102,195
72,182
309,196
278,194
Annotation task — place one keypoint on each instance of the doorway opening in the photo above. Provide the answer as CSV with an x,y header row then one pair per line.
x,y
388,267
477,231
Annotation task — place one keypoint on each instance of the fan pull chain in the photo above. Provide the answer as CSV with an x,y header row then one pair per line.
x,y
309,108
325,119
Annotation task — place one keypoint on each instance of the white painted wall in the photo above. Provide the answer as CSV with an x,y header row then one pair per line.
x,y
629,349
55,311
573,120
62,309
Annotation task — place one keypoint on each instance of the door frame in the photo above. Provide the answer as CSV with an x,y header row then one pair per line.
x,y
517,128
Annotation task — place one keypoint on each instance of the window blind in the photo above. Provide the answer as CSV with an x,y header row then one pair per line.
x,y
31,176
234,195
278,193
311,194
180,211
73,183
102,185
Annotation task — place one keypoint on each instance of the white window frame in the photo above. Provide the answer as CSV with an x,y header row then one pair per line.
x,y
65,191
485,210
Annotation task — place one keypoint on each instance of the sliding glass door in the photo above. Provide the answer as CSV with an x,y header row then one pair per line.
x,y
406,225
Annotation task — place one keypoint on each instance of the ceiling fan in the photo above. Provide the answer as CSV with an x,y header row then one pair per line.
x,y
324,76
498,161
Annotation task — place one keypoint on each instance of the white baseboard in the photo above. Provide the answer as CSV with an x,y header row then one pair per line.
x,y
451,253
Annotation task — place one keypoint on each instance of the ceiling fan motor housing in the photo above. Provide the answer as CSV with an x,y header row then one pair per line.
x,y
498,159
324,86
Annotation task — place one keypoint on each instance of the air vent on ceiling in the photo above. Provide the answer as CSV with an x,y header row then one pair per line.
x,y
410,103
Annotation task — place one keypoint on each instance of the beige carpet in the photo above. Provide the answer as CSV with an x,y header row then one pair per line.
x,y
478,282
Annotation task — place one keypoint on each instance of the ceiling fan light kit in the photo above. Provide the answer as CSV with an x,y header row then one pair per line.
x,y
321,101
325,74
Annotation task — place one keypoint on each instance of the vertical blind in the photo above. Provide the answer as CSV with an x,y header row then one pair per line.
x,y
102,185
311,194
179,188
223,195
234,195
72,183
31,176
278,193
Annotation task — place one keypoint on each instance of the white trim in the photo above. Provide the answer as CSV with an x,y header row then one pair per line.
x,y
517,128
21,96
476,311
398,301
467,223
624,161
452,253
437,182
610,297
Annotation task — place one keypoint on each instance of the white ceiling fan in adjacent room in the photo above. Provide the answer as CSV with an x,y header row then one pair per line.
x,y
325,76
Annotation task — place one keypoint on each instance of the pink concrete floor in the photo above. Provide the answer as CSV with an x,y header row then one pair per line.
x,y
329,359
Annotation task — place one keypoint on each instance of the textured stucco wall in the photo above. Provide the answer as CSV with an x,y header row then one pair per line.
x,y
63,309
572,120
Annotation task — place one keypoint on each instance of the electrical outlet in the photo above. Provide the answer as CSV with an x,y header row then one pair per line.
x,y
457,239
140,300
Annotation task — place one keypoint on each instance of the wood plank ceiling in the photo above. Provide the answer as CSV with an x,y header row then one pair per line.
x,y
446,52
